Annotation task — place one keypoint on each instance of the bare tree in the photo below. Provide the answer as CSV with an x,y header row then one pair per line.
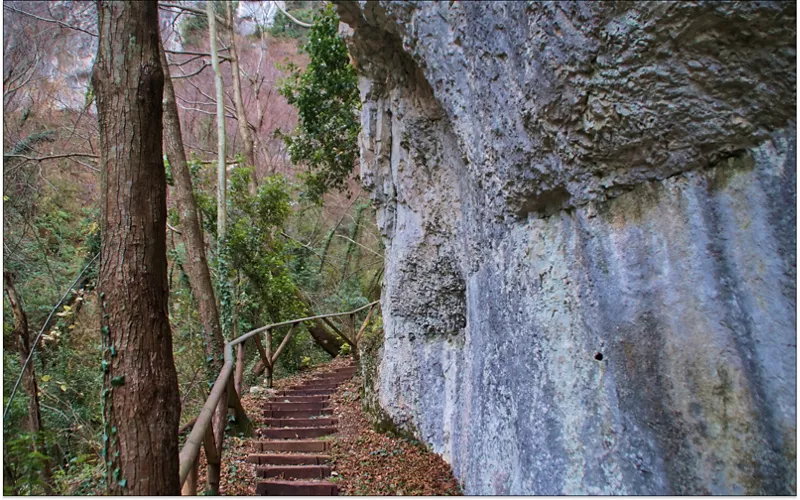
x,y
222,174
141,398
28,376
241,114
196,263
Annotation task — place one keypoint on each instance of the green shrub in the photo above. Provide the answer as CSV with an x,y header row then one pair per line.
x,y
328,103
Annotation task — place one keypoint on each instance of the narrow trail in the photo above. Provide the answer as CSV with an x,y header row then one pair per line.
x,y
290,455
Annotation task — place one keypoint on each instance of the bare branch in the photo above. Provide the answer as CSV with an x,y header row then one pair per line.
x,y
54,157
359,244
179,64
192,53
194,10
227,108
227,115
292,18
204,66
54,21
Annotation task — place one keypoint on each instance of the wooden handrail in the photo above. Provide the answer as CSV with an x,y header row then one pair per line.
x,y
202,431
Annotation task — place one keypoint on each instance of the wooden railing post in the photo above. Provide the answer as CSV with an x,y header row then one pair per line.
x,y
353,336
242,422
190,486
357,336
268,348
238,373
208,431
213,460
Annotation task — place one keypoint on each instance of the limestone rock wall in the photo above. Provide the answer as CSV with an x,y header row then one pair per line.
x,y
589,214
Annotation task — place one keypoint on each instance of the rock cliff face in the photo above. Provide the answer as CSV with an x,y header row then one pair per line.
x,y
589,214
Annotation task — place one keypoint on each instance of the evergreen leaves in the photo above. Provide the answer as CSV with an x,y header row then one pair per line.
x,y
327,100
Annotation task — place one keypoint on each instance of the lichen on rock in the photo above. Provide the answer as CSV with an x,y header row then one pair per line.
x,y
589,215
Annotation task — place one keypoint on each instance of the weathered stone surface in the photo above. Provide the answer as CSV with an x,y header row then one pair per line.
x,y
589,214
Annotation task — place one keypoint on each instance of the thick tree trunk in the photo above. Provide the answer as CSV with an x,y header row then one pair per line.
x,y
140,396
241,114
330,342
28,376
192,232
325,339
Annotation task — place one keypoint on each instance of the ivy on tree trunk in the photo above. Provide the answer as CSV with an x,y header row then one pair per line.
x,y
141,405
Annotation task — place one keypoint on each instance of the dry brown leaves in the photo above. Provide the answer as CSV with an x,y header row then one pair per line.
x,y
238,477
370,463
365,462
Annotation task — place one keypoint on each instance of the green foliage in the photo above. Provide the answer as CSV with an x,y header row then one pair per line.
x,y
283,27
26,145
24,464
327,101
168,171
254,243
192,28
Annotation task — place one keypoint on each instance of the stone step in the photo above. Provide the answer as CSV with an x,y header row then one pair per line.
x,y
306,392
294,471
297,488
346,369
323,381
287,459
318,385
296,406
297,413
300,422
296,432
330,377
298,445
298,399
333,377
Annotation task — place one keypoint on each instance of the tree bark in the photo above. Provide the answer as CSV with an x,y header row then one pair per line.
x,y
222,174
222,224
319,332
196,265
325,339
28,377
141,402
241,114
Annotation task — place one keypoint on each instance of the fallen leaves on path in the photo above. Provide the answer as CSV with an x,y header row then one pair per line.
x,y
365,462
369,463
238,476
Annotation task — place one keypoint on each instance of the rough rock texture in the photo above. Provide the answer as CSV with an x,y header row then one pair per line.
x,y
589,212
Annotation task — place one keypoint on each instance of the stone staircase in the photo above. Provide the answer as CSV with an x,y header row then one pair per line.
x,y
290,456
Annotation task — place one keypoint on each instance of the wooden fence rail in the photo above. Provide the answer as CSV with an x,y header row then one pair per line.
x,y
229,382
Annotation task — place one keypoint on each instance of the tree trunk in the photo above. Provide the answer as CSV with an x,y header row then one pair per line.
x,y
325,339
241,114
319,332
225,295
222,174
141,402
196,265
28,376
